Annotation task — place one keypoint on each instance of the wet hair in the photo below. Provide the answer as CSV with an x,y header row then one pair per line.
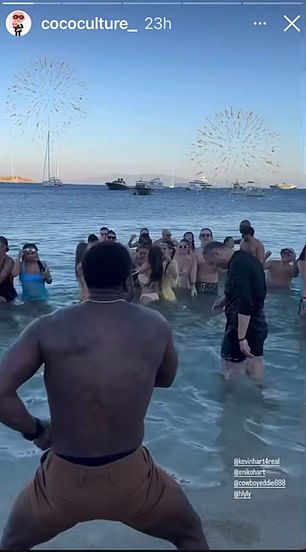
x,y
248,231
144,231
112,233
155,260
212,246
227,239
107,265
208,230
92,238
244,224
103,228
4,241
192,243
34,246
30,246
184,242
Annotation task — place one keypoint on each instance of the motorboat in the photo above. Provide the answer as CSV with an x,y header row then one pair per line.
x,y
143,187
118,184
156,184
237,189
283,186
199,184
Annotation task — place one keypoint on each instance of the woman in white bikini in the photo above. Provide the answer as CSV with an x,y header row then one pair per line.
x,y
150,276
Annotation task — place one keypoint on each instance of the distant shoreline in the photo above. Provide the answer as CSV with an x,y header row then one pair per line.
x,y
15,180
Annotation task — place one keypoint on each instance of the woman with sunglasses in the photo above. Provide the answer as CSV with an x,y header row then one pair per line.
x,y
205,276
171,275
7,290
33,275
111,236
185,260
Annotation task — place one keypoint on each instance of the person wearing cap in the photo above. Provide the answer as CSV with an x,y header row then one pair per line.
x,y
166,236
280,272
7,290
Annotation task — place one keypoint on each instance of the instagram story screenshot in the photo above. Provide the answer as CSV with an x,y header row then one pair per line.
x,y
152,275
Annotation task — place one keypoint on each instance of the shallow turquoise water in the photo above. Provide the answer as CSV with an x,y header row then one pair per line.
x,y
197,427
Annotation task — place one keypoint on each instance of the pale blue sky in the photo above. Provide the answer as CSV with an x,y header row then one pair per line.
x,y
148,93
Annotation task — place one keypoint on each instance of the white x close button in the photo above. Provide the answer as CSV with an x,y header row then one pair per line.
x,y
292,23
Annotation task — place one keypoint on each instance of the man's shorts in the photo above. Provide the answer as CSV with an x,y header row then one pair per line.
x,y
132,490
230,349
207,288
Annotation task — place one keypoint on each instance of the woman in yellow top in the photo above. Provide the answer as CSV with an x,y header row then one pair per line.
x,y
170,275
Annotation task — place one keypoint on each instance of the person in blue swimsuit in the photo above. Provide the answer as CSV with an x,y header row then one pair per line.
x,y
33,275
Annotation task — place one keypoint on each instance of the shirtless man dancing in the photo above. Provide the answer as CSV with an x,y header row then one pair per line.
x,y
252,245
99,375
281,272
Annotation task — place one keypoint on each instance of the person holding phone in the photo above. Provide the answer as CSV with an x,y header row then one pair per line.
x,y
33,274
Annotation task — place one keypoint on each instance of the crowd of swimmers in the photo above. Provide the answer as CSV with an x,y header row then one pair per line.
x,y
164,269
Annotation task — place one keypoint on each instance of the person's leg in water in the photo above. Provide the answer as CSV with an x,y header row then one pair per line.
x,y
255,369
233,370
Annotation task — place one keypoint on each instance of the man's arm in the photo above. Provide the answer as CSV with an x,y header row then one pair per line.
x,y
20,363
168,367
260,252
295,269
267,265
243,292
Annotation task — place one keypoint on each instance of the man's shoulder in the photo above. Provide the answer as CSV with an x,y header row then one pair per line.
x,y
243,259
58,315
149,315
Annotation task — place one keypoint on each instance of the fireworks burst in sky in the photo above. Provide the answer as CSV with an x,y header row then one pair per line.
x,y
234,142
44,96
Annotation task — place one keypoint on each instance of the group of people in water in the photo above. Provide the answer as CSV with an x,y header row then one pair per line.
x,y
163,269
93,441
167,269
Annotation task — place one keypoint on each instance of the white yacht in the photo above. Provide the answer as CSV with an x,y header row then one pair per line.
x,y
199,184
156,184
284,186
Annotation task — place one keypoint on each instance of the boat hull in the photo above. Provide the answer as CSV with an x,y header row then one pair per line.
x,y
117,187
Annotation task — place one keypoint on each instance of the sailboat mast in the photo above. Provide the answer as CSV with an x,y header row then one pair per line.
x,y
48,150
172,181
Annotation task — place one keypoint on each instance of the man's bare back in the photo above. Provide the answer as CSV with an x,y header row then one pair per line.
x,y
101,362
255,247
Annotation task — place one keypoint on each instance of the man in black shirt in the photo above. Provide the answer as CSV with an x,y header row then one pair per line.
x,y
243,301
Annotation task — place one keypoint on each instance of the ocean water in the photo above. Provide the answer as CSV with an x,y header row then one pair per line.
x,y
196,428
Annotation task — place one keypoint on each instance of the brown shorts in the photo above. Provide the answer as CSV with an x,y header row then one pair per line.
x,y
132,490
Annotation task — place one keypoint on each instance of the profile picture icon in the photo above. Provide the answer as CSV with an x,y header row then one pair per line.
x,y
18,23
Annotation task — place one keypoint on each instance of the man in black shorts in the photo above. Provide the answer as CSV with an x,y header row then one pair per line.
x,y
243,302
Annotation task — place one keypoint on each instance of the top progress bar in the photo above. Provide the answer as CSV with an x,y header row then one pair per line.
x,y
129,3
